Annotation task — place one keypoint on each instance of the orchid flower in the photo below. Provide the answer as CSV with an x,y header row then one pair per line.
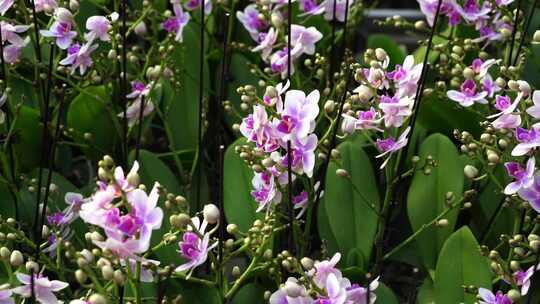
x,y
79,57
528,140
194,248
5,5
390,145
468,94
61,29
522,177
176,23
304,39
5,297
531,194
523,279
98,27
43,288
266,43
489,298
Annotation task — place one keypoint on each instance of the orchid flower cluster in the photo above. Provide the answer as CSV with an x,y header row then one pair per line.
x,y
282,119
384,101
324,283
265,23
492,19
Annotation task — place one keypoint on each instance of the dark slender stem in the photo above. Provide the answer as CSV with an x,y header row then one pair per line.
x,y
51,154
139,130
344,42
37,46
201,110
420,87
124,84
221,221
514,32
11,156
524,32
32,287
44,148
332,45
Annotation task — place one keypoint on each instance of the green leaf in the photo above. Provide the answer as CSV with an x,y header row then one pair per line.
x,y
394,51
249,293
460,264
352,222
27,141
427,195
193,293
426,294
152,170
88,113
182,114
385,295
240,208
325,232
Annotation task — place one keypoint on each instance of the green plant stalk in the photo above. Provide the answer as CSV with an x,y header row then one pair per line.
x,y
422,228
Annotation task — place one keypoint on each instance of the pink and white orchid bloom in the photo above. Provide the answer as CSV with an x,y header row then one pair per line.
x,y
43,288
195,246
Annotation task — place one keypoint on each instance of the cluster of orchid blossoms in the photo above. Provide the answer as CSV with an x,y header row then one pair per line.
x,y
383,101
275,124
264,21
323,283
492,19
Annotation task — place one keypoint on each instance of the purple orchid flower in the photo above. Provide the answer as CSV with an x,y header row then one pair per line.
x,y
534,110
303,160
481,67
448,8
251,21
531,194
130,233
507,121
98,27
303,39
505,105
265,191
5,297
406,76
528,140
299,114
281,297
79,57
365,120
390,145
489,298
10,33
490,86
194,4
468,95
275,97
43,288
472,12
395,109
340,9
61,29
47,6
522,177
176,23
5,5
336,292
257,128
193,248
266,43
311,7
523,279
279,61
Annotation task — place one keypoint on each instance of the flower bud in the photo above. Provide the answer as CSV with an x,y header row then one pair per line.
x,y
307,263
236,272
119,277
16,259
468,73
74,5
420,25
277,19
342,173
292,289
140,29
63,15
211,213
536,37
524,87
232,228
380,54
5,253
133,178
80,276
97,299
470,171
329,106
107,272
442,223
514,295
32,266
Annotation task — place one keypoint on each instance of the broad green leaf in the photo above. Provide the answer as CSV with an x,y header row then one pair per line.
x,y
426,294
394,51
7,204
325,232
89,113
460,264
152,170
240,208
183,101
352,222
193,293
385,295
249,293
427,195
27,141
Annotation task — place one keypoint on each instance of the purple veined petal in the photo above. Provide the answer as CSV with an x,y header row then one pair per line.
x,y
536,97
456,96
512,188
46,297
486,295
58,285
534,111
23,278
